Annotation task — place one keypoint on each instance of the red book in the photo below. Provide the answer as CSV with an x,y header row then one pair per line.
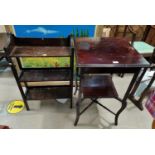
x,y
150,104
4,127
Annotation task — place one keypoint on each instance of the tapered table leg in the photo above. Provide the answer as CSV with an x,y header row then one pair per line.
x,y
124,103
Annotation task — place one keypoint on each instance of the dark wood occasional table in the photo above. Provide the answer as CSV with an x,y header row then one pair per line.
x,y
109,55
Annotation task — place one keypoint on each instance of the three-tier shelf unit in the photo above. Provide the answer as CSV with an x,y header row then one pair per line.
x,y
31,81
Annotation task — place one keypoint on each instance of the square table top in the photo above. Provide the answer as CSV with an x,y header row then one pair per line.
x,y
107,52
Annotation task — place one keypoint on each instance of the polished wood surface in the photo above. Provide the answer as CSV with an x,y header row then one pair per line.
x,y
96,86
46,93
107,52
34,75
39,51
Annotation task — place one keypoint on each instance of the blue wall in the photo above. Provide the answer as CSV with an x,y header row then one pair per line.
x,y
47,31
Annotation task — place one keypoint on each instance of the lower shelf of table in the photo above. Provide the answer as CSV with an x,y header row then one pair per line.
x,y
98,86
45,93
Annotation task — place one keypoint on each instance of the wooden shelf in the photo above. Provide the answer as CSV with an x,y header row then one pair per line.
x,y
42,83
45,93
37,75
98,86
40,51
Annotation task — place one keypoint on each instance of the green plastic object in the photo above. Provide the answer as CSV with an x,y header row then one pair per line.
x,y
45,62
143,47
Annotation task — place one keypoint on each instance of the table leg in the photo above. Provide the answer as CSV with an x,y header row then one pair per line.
x,y
19,85
78,106
76,81
124,103
131,95
153,124
146,89
137,83
77,112
71,101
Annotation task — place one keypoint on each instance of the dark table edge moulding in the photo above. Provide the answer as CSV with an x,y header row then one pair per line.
x,y
111,66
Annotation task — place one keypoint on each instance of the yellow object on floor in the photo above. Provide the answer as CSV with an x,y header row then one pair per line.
x,y
15,107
